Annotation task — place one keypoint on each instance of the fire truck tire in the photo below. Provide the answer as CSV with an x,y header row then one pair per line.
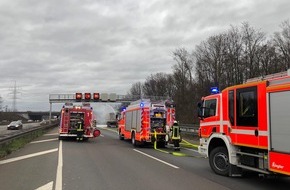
x,y
160,144
133,140
219,161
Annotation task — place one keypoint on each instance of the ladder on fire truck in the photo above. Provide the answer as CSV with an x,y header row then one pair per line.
x,y
270,76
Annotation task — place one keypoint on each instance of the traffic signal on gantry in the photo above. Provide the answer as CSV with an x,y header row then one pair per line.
x,y
87,96
79,96
96,96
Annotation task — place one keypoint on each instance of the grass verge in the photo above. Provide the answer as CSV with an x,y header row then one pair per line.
x,y
17,143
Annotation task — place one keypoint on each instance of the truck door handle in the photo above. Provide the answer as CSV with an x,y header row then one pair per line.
x,y
256,132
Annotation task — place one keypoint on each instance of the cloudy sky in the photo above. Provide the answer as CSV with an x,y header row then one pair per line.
x,y
68,46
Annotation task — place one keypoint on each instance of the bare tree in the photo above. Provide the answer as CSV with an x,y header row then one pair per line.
x,y
136,90
269,60
282,43
184,85
171,88
159,84
210,62
222,60
183,67
253,42
229,58
233,62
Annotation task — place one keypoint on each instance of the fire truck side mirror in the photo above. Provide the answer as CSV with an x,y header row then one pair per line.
x,y
200,110
199,104
118,116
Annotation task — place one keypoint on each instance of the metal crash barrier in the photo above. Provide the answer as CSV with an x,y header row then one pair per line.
x,y
6,139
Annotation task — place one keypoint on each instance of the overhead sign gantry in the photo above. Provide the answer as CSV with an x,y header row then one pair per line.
x,y
94,97
89,97
84,97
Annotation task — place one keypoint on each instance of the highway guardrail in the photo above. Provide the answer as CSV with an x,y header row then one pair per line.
x,y
5,139
189,128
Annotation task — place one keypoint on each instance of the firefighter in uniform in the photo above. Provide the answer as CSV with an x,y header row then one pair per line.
x,y
175,135
80,129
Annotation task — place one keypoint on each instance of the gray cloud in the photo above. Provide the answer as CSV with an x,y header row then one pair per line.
x,y
67,46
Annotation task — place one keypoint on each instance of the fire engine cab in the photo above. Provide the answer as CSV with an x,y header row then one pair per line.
x,y
247,126
77,121
144,121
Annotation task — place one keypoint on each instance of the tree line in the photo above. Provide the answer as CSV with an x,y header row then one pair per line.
x,y
221,60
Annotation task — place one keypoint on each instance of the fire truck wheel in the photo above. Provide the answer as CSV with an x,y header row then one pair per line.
x,y
133,139
160,144
219,161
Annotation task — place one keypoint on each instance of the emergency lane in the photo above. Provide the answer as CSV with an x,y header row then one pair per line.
x,y
33,166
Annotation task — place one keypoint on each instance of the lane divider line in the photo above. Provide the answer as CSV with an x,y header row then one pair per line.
x,y
28,156
58,180
47,140
47,186
171,165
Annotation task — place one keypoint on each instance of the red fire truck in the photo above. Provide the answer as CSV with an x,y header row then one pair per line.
x,y
145,121
247,126
77,121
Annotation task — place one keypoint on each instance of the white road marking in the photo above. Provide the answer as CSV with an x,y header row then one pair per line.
x,y
102,135
50,134
101,126
171,165
27,156
47,186
58,181
111,130
33,142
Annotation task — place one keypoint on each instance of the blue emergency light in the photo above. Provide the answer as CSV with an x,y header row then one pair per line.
x,y
214,90
141,104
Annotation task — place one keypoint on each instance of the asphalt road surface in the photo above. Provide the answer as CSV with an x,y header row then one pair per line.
x,y
108,163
